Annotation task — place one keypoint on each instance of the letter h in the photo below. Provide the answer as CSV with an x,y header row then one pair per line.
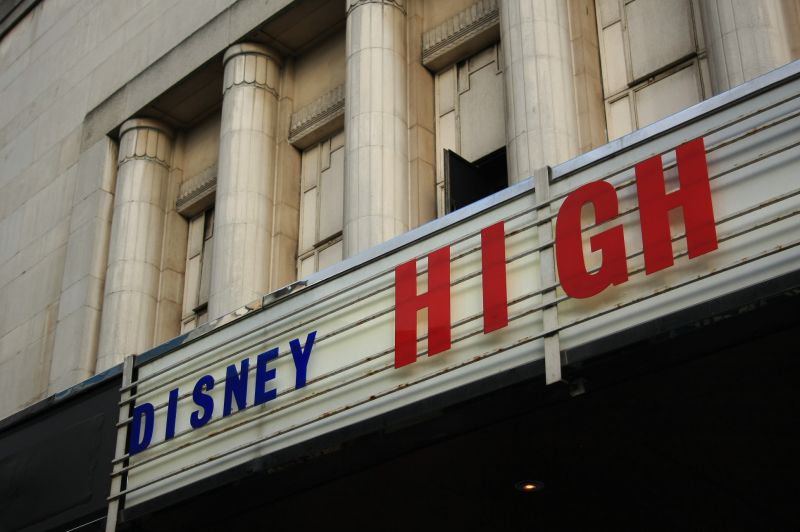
x,y
693,196
408,302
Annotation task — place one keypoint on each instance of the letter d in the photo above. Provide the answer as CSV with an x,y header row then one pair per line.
x,y
136,443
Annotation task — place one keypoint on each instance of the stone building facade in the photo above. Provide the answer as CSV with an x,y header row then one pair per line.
x,y
164,163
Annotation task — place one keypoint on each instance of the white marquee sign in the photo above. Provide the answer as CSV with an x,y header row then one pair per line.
x,y
485,290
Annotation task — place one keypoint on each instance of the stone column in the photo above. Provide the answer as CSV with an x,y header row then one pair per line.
x,y
376,182
245,179
744,39
134,257
541,123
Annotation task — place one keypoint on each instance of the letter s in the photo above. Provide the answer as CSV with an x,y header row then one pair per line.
x,y
205,402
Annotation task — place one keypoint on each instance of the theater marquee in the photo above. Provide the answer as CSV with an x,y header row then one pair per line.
x,y
695,207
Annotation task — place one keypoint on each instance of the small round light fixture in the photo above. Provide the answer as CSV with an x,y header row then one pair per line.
x,y
529,486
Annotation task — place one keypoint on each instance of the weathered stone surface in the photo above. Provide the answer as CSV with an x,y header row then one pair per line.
x,y
245,181
376,125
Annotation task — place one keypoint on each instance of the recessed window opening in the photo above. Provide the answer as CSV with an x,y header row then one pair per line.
x,y
467,182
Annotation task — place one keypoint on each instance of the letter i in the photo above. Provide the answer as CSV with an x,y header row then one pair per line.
x,y
493,261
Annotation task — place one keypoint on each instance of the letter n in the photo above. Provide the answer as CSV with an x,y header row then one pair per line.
x,y
408,302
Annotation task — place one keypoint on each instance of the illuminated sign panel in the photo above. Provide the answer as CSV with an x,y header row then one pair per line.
x,y
693,197
238,380
699,206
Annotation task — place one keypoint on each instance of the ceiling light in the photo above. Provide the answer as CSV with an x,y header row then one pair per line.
x,y
529,486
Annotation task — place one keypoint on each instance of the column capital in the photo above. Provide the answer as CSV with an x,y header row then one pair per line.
x,y
253,65
399,4
250,48
145,138
145,123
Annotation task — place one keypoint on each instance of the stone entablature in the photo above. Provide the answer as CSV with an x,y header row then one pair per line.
x,y
460,36
318,119
197,193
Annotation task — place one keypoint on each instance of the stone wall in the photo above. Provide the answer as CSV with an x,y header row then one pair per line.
x,y
57,164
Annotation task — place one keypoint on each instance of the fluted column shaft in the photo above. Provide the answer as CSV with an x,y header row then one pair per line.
x,y
541,123
134,257
245,179
376,127
744,38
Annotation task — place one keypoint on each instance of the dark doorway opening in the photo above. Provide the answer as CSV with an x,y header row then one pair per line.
x,y
467,182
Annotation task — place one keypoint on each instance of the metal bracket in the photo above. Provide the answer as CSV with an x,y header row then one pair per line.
x,y
282,292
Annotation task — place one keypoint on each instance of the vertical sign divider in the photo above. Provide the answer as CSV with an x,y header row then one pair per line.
x,y
117,484
547,268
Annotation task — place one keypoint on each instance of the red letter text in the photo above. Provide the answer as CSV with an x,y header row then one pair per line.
x,y
493,262
575,279
408,302
694,196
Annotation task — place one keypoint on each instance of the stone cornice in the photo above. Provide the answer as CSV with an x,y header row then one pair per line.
x,y
466,33
13,11
197,193
317,119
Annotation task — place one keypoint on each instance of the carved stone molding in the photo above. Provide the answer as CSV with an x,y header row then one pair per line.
x,y
463,35
317,120
399,4
144,138
253,64
197,193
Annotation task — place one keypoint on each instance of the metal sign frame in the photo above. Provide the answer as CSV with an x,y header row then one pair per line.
x,y
752,144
